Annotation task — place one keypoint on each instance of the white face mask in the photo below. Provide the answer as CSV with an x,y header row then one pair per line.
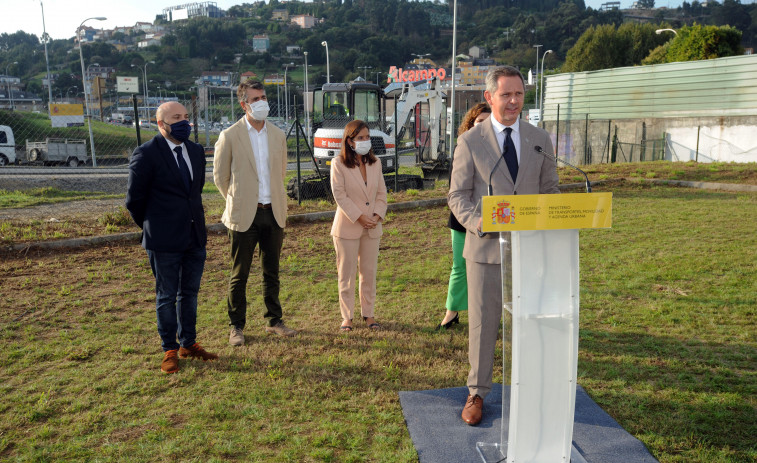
x,y
362,147
258,110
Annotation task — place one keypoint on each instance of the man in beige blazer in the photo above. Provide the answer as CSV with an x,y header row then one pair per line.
x,y
249,169
502,148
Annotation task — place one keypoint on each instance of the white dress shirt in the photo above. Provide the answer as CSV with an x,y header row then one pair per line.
x,y
499,129
259,141
184,154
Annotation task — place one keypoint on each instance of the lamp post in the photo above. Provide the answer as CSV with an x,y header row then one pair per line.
x,y
45,39
536,82
660,31
286,91
143,83
307,114
541,101
84,85
144,87
452,83
69,88
7,78
328,70
365,68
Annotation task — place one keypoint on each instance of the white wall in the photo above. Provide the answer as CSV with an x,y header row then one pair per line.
x,y
736,143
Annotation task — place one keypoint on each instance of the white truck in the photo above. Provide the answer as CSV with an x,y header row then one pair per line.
x,y
66,151
7,146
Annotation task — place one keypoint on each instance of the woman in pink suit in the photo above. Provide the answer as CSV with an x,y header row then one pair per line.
x,y
360,193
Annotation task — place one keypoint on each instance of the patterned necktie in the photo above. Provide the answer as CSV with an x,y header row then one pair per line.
x,y
511,157
183,168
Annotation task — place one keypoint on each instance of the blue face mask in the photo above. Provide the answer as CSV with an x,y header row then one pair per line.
x,y
181,130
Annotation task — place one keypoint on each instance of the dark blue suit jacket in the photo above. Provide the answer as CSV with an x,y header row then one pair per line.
x,y
171,217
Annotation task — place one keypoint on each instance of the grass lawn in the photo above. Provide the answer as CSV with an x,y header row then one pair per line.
x,y
668,343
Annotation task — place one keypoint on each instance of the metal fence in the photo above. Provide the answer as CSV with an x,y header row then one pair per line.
x,y
119,127
597,141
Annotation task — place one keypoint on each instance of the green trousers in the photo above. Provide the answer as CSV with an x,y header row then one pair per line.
x,y
457,293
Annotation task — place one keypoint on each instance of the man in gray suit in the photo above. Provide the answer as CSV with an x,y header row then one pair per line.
x,y
520,170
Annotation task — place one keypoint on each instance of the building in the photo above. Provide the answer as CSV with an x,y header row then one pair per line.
x,y
19,100
477,52
293,49
305,21
609,6
473,72
151,39
274,79
192,10
248,75
104,72
261,43
280,15
215,79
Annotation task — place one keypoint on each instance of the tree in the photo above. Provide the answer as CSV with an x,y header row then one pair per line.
x,y
700,42
647,4
604,47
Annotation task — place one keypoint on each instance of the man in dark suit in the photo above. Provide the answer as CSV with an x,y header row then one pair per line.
x,y
164,197
521,170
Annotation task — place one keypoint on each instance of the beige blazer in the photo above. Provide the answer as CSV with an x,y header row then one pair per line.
x,y
236,175
354,197
476,154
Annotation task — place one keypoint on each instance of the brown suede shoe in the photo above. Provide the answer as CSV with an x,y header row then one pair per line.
x,y
281,329
170,362
473,409
196,351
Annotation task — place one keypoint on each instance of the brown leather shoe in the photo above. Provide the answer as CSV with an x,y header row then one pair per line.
x,y
473,409
170,362
196,351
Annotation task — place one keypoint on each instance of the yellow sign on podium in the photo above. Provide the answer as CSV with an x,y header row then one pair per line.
x,y
546,212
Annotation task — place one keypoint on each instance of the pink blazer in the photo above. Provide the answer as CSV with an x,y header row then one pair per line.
x,y
354,197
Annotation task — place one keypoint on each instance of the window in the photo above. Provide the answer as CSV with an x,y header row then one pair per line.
x,y
366,106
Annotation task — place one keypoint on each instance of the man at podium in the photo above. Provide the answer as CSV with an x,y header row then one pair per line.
x,y
496,157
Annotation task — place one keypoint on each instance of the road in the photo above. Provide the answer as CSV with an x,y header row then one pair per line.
x,y
405,160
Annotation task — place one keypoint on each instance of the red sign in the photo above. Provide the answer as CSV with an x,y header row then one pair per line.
x,y
414,75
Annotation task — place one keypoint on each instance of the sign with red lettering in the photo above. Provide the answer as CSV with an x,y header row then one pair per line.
x,y
414,75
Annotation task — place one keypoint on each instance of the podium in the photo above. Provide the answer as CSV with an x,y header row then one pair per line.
x,y
540,294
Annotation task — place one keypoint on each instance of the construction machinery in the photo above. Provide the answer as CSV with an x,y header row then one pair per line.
x,y
336,104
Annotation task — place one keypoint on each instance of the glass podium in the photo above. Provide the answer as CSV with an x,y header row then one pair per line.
x,y
540,294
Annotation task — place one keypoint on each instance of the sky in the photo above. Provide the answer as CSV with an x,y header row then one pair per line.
x,y
62,17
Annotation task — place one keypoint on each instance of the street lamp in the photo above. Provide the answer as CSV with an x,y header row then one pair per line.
x,y
286,91
69,89
328,71
536,82
364,68
45,39
541,101
7,77
143,83
660,31
144,87
84,84
307,114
